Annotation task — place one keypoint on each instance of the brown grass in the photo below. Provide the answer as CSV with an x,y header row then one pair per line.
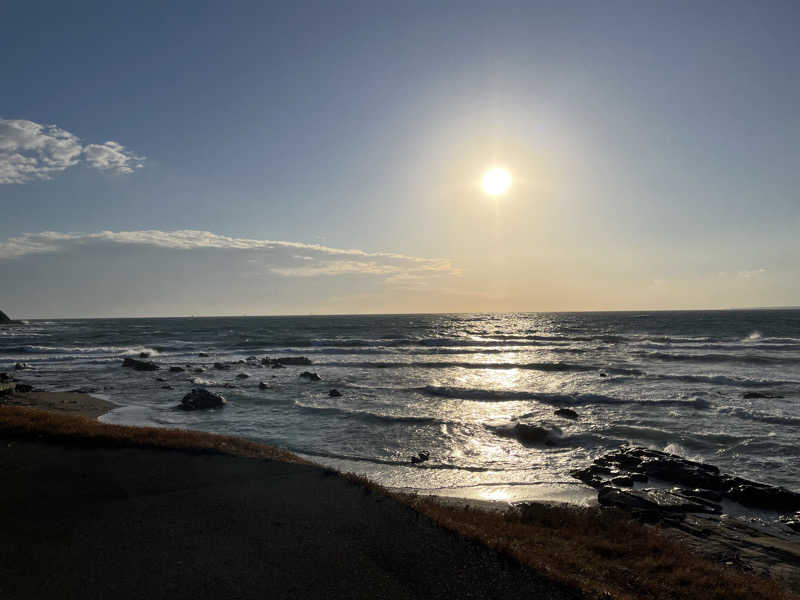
x,y
31,423
602,552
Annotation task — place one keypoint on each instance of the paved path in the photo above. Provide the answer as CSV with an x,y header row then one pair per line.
x,y
148,524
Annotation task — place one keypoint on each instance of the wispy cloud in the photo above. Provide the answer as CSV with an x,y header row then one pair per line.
x,y
30,151
282,258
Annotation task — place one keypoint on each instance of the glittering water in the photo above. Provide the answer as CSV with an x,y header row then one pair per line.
x,y
454,385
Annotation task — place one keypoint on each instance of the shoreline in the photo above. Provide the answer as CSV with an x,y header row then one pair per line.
x,y
731,544
75,403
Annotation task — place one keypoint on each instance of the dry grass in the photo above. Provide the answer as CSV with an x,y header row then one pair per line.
x,y
36,424
602,552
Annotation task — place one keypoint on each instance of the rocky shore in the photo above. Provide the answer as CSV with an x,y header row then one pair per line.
x,y
749,525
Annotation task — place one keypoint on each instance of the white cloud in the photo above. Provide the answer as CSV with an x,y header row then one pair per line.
x,y
286,259
31,151
112,155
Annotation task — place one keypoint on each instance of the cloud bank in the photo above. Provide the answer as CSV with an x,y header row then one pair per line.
x,y
286,259
30,151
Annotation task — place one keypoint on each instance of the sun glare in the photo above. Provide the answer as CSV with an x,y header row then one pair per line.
x,y
496,181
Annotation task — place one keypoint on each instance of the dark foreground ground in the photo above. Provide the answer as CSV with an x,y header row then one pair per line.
x,y
138,523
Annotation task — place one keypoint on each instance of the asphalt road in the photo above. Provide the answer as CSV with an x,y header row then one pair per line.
x,y
146,524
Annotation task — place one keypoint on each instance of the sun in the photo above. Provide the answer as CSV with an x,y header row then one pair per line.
x,y
496,181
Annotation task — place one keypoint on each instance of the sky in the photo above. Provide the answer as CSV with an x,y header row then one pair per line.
x,y
164,159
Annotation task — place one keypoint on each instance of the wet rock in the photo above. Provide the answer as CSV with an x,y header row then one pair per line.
x,y
199,370
754,395
176,369
277,366
140,365
199,399
24,388
567,413
221,366
144,355
262,385
761,495
654,499
421,457
160,379
203,355
242,376
536,433
698,482
4,318
622,481
334,393
21,366
309,376
286,360
167,387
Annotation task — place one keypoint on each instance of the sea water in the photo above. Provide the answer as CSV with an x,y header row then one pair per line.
x,y
454,385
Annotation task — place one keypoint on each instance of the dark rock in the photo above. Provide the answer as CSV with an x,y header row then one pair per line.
x,y
286,360
699,483
603,375
566,413
5,378
792,521
310,376
221,366
655,499
140,365
262,385
199,398
176,369
199,370
203,355
533,433
167,387
421,457
4,318
24,388
242,376
144,355
334,393
277,366
622,481
754,395
160,379
21,365
761,495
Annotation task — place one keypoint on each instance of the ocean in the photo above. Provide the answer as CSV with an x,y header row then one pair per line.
x,y
717,386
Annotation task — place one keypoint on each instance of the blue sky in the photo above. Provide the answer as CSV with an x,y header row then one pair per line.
x,y
653,147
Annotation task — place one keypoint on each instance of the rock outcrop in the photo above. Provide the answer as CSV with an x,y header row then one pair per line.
x,y
4,318
567,413
696,482
140,365
309,376
286,360
199,398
